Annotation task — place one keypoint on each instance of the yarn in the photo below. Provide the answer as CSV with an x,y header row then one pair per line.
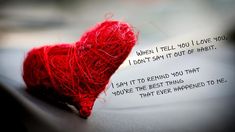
x,y
77,73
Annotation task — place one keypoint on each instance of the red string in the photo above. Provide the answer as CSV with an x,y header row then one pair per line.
x,y
82,70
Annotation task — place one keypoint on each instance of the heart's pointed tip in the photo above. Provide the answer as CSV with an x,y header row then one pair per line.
x,y
84,113
85,106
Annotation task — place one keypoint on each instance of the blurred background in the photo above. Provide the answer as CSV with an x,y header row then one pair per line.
x,y
29,23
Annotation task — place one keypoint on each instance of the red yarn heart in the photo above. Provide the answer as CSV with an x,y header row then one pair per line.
x,y
78,73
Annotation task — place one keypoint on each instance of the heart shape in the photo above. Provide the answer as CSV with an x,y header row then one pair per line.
x,y
77,73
